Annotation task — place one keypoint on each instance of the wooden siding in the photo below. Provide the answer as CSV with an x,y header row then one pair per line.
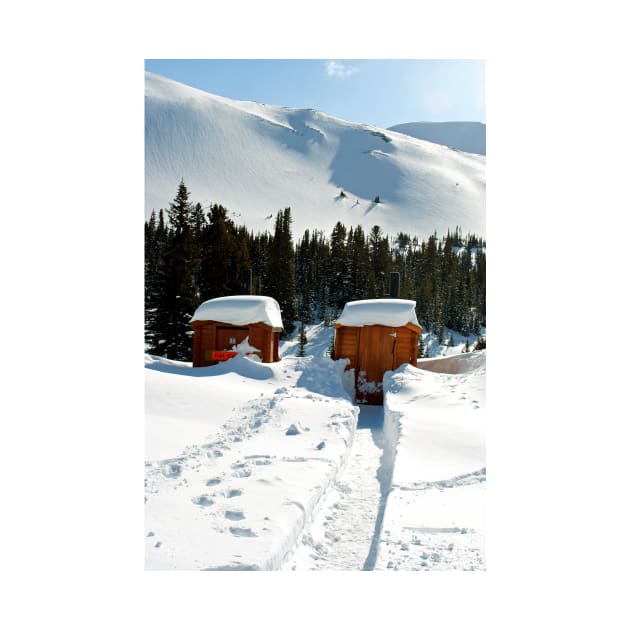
x,y
347,344
261,337
210,336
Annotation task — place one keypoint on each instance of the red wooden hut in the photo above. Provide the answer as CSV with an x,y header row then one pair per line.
x,y
376,336
240,323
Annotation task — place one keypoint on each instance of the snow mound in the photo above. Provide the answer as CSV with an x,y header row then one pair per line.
x,y
246,348
455,364
386,312
240,310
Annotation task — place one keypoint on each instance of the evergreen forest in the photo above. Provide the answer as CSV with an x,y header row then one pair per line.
x,y
193,254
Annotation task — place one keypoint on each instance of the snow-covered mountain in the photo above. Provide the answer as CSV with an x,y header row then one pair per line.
x,y
255,159
465,136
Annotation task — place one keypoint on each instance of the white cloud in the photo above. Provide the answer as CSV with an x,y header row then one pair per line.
x,y
336,69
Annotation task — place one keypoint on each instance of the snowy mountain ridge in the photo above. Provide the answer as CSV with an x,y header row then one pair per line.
x,y
256,159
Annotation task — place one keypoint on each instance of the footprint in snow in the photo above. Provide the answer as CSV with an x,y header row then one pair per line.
x,y
204,500
242,531
234,515
172,470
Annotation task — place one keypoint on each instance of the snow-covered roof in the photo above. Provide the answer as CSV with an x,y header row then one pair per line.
x,y
240,310
386,312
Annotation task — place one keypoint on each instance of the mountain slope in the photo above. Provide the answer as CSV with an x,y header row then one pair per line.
x,y
464,136
256,159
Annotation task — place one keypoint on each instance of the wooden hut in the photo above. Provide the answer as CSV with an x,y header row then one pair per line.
x,y
376,336
241,323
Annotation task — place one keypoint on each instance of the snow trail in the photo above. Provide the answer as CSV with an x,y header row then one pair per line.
x,y
345,531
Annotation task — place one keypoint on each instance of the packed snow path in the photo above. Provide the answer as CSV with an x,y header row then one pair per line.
x,y
345,531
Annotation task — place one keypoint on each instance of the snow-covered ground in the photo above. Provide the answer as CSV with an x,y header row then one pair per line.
x,y
238,455
263,466
435,425
255,159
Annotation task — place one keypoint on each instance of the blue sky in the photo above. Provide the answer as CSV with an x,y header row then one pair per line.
x,y
379,92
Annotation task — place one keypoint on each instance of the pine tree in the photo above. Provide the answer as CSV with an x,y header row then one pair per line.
x,y
427,352
281,269
337,271
180,209
258,247
318,265
327,318
302,340
331,347
156,237
380,261
225,255
198,220
371,286
175,298
327,321
305,279
152,258
420,346
359,265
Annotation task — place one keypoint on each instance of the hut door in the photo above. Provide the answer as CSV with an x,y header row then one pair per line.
x,y
376,356
387,344
229,337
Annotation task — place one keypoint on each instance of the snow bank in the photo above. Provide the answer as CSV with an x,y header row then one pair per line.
x,y
240,310
386,312
435,438
455,364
